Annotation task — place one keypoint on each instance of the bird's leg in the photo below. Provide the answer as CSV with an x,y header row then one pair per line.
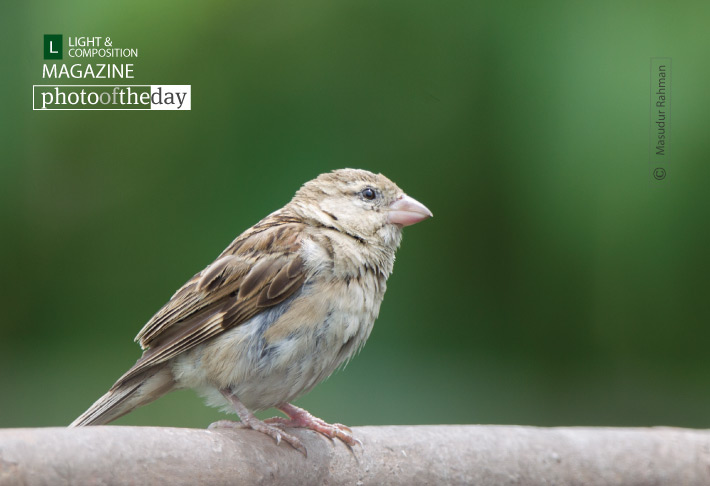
x,y
297,417
249,420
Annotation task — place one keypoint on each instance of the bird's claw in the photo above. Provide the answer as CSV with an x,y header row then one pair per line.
x,y
272,431
301,418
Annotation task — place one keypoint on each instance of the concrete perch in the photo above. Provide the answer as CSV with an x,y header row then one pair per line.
x,y
391,455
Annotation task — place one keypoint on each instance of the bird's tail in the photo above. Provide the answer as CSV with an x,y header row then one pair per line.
x,y
123,397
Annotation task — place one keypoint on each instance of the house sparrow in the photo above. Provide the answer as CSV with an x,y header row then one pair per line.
x,y
289,300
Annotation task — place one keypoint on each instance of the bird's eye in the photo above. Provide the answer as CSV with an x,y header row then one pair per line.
x,y
369,193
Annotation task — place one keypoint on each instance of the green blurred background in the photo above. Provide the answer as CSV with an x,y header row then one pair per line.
x,y
558,283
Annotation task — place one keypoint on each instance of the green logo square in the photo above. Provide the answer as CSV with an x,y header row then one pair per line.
x,y
53,46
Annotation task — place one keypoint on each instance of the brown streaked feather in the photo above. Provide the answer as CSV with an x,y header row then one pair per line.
x,y
215,275
248,249
261,268
282,287
285,279
253,282
201,330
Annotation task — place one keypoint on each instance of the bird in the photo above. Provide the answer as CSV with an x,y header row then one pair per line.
x,y
288,302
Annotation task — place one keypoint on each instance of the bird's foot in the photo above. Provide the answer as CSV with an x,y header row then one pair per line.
x,y
249,420
298,417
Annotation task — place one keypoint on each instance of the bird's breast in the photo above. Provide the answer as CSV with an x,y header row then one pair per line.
x,y
286,350
324,326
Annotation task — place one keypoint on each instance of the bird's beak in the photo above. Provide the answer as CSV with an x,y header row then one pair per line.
x,y
406,210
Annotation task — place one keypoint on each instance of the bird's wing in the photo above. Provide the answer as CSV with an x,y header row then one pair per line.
x,y
260,269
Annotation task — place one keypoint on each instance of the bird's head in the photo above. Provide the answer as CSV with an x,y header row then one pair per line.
x,y
366,206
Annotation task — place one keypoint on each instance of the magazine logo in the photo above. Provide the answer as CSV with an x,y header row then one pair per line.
x,y
71,57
